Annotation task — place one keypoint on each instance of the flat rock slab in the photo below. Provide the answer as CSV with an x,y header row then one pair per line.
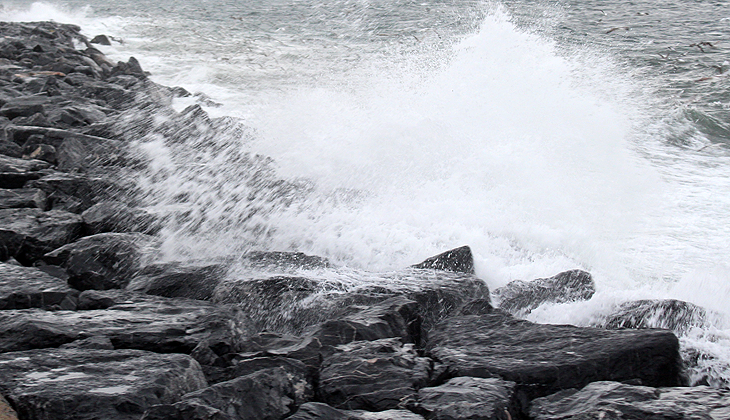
x,y
519,297
153,323
543,359
27,234
94,384
269,394
467,398
22,198
372,375
26,287
614,400
179,280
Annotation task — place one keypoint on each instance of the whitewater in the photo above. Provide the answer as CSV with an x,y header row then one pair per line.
x,y
402,129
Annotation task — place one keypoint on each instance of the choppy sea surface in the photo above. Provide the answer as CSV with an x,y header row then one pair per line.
x,y
547,135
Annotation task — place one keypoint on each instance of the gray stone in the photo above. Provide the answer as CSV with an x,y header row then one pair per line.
x,y
103,261
543,359
24,106
671,314
614,400
26,287
459,260
179,280
85,384
519,297
27,234
265,395
115,216
14,172
372,375
23,198
131,322
467,398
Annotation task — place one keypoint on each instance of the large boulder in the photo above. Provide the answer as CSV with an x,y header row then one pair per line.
x,y
519,297
372,375
27,234
26,287
614,400
89,384
269,394
467,398
103,261
179,280
543,359
458,260
130,322
671,314
75,192
115,216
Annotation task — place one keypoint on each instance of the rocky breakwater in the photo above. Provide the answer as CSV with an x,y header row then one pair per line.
x,y
91,326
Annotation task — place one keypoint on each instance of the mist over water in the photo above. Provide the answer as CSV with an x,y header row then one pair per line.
x,y
397,130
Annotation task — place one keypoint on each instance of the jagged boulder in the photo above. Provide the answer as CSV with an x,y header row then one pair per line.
x,y
614,400
179,280
115,216
372,375
522,297
22,198
103,261
26,287
269,394
458,260
27,234
467,398
321,411
670,314
85,384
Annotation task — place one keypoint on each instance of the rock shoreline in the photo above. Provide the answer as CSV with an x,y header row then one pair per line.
x,y
92,327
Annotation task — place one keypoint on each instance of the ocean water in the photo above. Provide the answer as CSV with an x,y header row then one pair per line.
x,y
547,135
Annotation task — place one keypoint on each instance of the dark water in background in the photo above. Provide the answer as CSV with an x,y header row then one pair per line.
x,y
546,135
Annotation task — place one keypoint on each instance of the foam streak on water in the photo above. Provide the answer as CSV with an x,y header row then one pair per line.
x,y
402,129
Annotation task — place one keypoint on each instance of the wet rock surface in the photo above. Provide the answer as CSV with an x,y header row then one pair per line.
x,y
622,401
545,358
569,286
148,323
372,375
27,287
93,384
272,335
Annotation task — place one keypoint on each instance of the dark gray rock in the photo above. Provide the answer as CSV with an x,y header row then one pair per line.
x,y
97,342
26,287
14,172
467,398
10,149
265,395
87,384
613,400
27,234
115,216
178,280
519,297
103,261
321,411
24,106
101,39
131,322
543,359
23,198
459,260
372,375
670,314
75,192
79,154
284,260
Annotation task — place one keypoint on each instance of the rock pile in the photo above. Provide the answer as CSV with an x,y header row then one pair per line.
x,y
91,327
